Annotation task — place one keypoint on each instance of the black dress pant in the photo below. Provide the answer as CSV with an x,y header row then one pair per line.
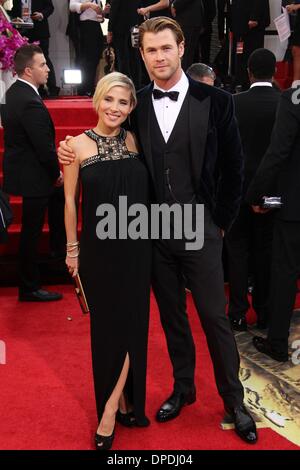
x,y
192,38
252,40
56,222
205,47
284,275
204,273
249,250
33,218
91,48
128,60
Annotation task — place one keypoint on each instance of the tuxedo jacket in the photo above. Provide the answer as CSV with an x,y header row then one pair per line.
x,y
123,15
215,147
256,113
189,13
281,163
30,164
41,28
242,11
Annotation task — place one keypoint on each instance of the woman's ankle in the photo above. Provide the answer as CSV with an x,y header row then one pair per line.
x,y
107,423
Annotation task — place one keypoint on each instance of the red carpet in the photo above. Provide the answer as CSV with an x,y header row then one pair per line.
x,y
46,394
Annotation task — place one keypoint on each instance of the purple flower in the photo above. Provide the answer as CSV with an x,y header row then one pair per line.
x,y
10,42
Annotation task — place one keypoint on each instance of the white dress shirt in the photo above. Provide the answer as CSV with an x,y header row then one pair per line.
x,y
166,110
261,84
88,14
30,84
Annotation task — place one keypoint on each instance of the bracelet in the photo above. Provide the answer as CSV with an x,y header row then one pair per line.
x,y
72,249
73,256
73,244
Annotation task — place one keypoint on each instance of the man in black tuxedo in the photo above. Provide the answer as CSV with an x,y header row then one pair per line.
x,y
181,126
123,16
281,166
190,16
248,21
30,164
40,11
250,238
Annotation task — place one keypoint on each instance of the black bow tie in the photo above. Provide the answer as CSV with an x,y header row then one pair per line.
x,y
158,94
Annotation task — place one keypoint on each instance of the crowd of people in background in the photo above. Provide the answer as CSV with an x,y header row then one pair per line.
x,y
247,21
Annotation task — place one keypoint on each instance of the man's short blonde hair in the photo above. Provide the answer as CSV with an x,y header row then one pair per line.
x,y
108,82
160,23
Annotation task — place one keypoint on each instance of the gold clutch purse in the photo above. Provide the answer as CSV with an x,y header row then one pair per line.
x,y
81,295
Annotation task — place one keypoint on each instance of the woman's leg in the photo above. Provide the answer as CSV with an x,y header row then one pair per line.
x,y
107,423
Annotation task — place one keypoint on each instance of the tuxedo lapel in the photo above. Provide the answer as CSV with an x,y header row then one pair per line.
x,y
198,123
144,123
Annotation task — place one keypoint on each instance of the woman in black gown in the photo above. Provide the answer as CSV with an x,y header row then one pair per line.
x,y
295,8
115,272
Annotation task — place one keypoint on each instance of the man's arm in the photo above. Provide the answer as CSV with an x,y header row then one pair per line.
x,y
231,168
286,129
36,124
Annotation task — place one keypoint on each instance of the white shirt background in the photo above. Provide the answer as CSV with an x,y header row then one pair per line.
x,y
88,14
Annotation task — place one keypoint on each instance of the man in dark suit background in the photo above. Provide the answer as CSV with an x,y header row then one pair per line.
x,y
281,166
250,238
40,11
248,21
30,165
190,16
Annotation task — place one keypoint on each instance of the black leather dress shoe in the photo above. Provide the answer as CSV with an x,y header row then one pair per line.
x,y
39,295
238,325
171,408
244,423
263,345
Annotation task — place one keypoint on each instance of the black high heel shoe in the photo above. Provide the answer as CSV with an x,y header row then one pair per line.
x,y
126,419
104,442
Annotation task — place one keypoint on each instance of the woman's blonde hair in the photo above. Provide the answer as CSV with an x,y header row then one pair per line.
x,y
108,82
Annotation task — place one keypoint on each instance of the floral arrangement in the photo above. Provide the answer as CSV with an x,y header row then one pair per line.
x,y
10,41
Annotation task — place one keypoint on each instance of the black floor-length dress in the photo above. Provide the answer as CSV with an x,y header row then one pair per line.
x,y
115,272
